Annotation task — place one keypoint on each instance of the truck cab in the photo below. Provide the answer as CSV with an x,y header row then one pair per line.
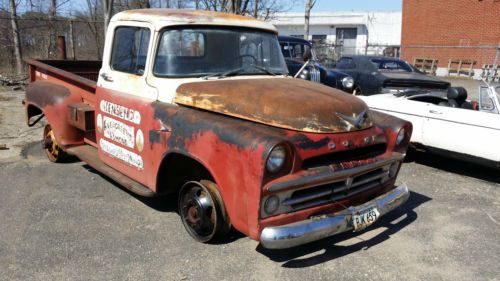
x,y
199,105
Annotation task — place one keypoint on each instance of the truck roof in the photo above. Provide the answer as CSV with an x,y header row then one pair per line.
x,y
170,17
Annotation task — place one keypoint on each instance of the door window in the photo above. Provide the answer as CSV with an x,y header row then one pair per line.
x,y
130,48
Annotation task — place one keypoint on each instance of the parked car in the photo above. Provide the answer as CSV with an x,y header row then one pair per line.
x,y
380,75
449,124
298,51
196,104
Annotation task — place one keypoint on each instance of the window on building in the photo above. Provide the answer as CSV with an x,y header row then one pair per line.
x,y
130,49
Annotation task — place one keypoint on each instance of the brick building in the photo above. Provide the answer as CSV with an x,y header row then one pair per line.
x,y
444,29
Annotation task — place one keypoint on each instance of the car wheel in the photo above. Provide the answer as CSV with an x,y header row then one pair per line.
x,y
51,147
202,211
357,91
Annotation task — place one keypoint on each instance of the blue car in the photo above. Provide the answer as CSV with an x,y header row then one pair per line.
x,y
298,51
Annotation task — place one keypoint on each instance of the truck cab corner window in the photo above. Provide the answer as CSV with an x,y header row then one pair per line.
x,y
130,49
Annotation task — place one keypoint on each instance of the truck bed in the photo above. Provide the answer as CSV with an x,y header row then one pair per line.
x,y
82,74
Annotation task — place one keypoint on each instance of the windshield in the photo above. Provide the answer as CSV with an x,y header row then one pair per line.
x,y
196,52
391,65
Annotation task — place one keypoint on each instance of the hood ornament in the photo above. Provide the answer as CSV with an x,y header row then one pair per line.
x,y
354,121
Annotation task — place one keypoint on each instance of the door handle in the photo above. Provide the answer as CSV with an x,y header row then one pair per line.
x,y
106,77
435,112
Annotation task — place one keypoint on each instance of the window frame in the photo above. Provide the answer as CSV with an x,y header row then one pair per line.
x,y
112,51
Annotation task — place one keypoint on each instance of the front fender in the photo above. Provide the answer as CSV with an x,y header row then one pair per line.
x,y
53,101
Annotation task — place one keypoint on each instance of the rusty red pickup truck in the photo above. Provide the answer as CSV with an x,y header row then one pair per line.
x,y
199,105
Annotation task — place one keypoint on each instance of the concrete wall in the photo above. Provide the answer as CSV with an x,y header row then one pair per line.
x,y
458,29
382,28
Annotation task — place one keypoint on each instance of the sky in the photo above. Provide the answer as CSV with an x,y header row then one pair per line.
x,y
351,5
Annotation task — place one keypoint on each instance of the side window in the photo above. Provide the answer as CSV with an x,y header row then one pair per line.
x,y
346,63
130,49
285,49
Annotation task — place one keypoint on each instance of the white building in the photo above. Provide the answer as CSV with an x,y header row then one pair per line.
x,y
348,32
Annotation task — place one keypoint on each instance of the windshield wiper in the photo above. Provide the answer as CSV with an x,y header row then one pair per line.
x,y
223,74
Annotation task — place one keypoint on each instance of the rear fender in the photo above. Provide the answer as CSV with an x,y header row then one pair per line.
x,y
53,100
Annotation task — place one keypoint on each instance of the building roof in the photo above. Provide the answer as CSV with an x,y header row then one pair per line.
x,y
170,17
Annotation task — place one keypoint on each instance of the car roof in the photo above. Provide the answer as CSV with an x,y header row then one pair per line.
x,y
160,18
365,58
293,39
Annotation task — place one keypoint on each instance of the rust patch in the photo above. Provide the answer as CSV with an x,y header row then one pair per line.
x,y
285,103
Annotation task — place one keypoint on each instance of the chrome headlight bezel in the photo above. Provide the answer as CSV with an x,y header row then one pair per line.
x,y
348,82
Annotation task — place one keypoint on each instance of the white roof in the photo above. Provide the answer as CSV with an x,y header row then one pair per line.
x,y
169,17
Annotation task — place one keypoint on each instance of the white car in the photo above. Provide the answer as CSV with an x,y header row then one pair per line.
x,y
446,122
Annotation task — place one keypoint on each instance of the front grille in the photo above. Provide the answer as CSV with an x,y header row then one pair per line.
x,y
313,196
339,157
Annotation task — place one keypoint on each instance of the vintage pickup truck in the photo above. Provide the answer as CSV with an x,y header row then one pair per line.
x,y
198,105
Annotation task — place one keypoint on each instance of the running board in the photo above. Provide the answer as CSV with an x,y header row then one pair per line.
x,y
89,155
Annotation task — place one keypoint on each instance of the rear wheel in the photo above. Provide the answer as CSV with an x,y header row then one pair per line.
x,y
52,149
202,211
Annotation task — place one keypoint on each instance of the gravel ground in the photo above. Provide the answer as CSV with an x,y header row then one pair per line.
x,y
67,222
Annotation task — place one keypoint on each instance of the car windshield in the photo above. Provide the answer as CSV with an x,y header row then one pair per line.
x,y
391,65
196,52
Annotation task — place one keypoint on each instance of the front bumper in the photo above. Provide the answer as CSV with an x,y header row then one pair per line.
x,y
298,233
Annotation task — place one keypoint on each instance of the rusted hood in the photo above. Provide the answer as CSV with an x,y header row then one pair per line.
x,y
285,103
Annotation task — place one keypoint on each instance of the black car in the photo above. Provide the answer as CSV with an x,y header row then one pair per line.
x,y
378,75
298,51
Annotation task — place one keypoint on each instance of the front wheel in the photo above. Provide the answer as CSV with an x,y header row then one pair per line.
x,y
357,91
52,149
202,211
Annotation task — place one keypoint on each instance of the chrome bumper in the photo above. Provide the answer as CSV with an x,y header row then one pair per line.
x,y
298,233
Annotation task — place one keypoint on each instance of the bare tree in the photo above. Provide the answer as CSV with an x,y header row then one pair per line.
x,y
307,14
15,35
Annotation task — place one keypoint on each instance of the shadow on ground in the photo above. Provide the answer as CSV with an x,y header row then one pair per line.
x,y
298,257
456,166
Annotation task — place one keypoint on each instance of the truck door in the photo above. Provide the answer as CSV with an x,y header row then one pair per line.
x,y
123,100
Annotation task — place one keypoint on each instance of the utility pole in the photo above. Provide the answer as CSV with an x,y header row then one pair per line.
x,y
307,14
15,35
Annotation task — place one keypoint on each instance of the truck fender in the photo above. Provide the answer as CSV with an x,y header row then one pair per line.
x,y
52,100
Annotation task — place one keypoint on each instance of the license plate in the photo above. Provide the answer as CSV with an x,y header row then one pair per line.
x,y
365,218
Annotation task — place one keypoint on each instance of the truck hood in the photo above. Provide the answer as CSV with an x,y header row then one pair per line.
x,y
281,102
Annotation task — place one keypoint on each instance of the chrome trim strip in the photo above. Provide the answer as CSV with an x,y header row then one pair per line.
x,y
329,176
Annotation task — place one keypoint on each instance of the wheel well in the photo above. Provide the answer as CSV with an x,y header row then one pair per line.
x,y
176,169
33,111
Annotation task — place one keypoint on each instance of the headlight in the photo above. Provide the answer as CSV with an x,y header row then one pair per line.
x,y
347,82
400,137
305,74
271,205
276,159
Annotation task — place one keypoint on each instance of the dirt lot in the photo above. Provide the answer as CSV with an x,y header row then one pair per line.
x,y
66,222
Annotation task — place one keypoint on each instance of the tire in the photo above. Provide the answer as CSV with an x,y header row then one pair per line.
x,y
50,146
357,91
202,211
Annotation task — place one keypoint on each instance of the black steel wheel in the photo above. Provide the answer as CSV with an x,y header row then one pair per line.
x,y
52,149
202,211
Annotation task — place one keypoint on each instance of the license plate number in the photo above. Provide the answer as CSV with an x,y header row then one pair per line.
x,y
365,218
